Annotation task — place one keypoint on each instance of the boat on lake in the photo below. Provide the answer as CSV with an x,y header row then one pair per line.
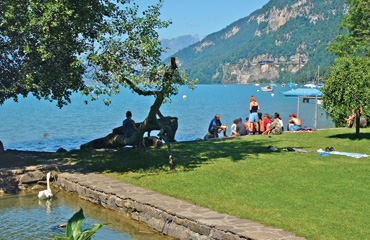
x,y
310,85
267,89
311,92
320,85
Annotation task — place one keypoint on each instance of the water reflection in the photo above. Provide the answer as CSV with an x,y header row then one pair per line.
x,y
24,216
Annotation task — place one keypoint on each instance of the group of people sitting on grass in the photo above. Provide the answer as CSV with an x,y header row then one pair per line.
x,y
255,124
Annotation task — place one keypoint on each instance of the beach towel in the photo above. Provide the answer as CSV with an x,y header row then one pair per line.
x,y
354,155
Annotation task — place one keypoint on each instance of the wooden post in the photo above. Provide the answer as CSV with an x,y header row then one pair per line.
x,y
316,114
298,108
357,120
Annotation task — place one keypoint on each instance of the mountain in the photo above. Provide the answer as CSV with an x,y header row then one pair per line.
x,y
175,44
284,40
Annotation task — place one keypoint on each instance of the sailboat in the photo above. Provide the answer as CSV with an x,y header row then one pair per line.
x,y
319,84
292,84
309,85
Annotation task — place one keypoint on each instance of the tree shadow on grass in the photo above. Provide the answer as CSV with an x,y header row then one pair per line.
x,y
351,136
187,156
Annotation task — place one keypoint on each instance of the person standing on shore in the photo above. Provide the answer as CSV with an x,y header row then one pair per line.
x,y
253,116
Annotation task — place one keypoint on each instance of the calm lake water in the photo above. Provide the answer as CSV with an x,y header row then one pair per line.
x,y
23,216
41,126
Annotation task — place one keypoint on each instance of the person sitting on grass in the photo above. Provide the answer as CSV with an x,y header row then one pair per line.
x,y
241,130
294,124
216,126
261,123
233,128
267,120
249,126
275,127
280,120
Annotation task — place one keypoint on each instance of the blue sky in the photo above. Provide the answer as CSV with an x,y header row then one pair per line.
x,y
202,17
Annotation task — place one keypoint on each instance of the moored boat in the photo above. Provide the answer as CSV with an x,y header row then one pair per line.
x,y
291,84
303,92
267,89
310,85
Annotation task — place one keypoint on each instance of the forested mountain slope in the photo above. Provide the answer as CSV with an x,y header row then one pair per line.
x,y
285,40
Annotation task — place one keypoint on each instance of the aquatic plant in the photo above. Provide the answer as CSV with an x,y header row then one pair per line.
x,y
74,228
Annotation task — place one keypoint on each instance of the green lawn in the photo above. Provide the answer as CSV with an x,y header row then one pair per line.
x,y
313,196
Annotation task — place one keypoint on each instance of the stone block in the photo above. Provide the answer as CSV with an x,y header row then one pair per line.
x,y
155,224
31,177
111,204
135,216
155,213
221,235
119,202
129,203
199,228
209,136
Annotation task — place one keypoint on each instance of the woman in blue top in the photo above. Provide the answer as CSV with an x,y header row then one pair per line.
x,y
253,116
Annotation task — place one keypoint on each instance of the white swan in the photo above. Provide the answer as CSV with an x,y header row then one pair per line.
x,y
46,194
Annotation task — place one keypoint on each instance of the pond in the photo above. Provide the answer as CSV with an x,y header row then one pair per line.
x,y
24,216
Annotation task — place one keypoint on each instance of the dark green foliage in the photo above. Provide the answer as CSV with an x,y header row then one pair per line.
x,y
347,88
40,46
348,85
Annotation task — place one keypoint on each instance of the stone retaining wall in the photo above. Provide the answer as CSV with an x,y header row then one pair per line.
x,y
170,216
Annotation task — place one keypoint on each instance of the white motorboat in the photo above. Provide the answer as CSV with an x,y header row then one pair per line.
x,y
310,85
267,89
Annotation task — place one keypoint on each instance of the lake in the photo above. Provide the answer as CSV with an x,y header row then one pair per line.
x,y
37,125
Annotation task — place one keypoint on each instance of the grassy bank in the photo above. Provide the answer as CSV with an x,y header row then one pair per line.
x,y
313,196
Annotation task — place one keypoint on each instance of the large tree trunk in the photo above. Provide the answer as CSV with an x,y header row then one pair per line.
x,y
168,126
1,147
114,140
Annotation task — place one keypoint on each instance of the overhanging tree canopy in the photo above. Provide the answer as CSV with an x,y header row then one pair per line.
x,y
47,47
41,45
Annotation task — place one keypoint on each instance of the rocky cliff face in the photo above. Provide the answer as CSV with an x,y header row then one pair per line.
x,y
262,67
267,66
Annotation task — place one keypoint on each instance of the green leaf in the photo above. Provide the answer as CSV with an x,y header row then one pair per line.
x,y
74,225
87,234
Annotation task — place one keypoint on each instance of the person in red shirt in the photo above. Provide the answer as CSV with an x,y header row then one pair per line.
x,y
267,119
